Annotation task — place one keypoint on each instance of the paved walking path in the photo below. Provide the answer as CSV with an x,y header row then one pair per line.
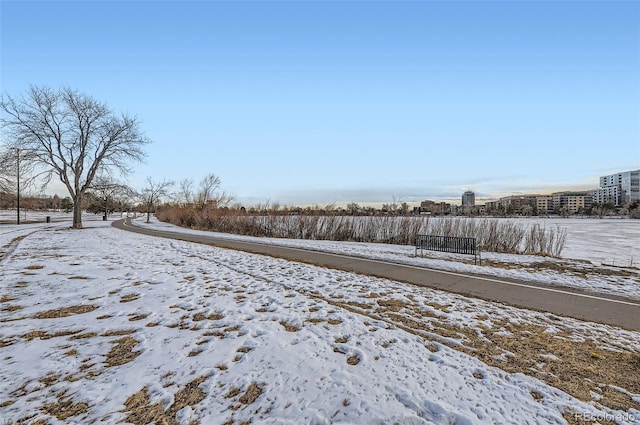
x,y
612,310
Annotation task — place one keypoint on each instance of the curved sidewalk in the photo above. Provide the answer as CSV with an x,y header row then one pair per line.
x,y
582,305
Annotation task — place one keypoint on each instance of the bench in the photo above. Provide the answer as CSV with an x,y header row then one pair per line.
x,y
449,244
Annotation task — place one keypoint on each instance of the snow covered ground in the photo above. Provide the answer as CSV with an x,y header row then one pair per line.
x,y
588,275
103,325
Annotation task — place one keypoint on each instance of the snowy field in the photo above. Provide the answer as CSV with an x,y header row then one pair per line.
x,y
103,325
591,276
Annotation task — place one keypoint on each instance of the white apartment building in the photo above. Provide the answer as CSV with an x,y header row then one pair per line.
x,y
619,189
611,194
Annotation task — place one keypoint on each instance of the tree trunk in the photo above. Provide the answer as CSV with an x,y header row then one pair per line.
x,y
148,213
77,212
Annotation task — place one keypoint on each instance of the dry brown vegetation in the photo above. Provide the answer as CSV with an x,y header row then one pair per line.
x,y
65,407
353,360
140,411
48,335
5,298
251,394
64,311
576,365
493,235
122,351
129,297
289,327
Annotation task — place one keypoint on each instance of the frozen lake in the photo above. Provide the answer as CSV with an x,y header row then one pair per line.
x,y
611,241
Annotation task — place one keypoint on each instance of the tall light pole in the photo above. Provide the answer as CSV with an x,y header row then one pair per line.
x,y
18,183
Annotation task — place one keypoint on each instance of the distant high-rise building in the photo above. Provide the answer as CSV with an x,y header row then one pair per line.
x,y
619,189
468,199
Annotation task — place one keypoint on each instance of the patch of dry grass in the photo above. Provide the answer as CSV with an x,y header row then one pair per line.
x,y
251,394
576,371
392,304
6,298
353,360
198,317
213,316
129,297
289,327
64,311
118,332
65,407
122,351
85,335
140,411
12,307
6,342
49,379
46,335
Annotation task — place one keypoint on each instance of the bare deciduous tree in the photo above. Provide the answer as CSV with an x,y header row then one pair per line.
x,y
106,188
72,136
153,192
207,188
209,192
185,191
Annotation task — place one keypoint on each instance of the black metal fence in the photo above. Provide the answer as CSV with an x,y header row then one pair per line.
x,y
448,244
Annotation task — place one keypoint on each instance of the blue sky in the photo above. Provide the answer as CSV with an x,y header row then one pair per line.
x,y
314,102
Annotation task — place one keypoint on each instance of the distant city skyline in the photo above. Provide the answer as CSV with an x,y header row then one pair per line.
x,y
345,198
304,103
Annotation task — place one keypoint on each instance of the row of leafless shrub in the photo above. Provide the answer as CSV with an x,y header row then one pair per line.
x,y
495,235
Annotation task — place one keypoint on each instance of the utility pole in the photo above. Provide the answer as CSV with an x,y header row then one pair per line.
x,y
18,183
